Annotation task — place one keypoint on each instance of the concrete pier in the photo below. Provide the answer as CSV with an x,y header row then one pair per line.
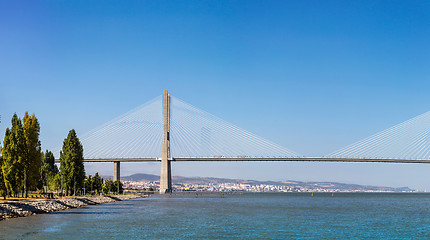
x,y
166,174
116,171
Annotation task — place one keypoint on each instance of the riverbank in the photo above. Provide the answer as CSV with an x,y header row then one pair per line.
x,y
13,209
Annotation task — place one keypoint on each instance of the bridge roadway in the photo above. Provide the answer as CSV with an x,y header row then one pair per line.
x,y
117,161
226,159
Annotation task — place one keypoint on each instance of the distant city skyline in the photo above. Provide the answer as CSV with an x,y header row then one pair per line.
x,y
313,77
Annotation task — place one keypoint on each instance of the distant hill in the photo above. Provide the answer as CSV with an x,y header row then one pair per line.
x,y
141,177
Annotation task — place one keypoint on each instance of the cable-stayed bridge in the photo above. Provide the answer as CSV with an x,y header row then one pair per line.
x,y
167,129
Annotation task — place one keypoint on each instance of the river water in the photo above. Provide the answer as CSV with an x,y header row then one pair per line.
x,y
236,216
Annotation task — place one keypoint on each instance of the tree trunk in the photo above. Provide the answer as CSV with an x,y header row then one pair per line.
x,y
25,183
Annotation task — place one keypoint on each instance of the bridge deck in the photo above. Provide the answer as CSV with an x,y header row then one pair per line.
x,y
222,159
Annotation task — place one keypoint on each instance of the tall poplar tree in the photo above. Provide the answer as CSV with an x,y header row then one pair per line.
x,y
33,157
71,163
97,183
48,164
13,153
49,169
2,185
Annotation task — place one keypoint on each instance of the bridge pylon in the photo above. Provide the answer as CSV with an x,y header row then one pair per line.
x,y
166,171
116,171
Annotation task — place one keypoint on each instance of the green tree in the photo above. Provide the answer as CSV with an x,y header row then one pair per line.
x,y
97,183
13,153
110,186
71,163
117,187
54,182
107,186
93,184
32,156
88,182
49,169
2,185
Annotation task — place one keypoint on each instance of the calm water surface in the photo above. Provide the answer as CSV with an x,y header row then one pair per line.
x,y
236,216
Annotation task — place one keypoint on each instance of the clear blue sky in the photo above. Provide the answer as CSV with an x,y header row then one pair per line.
x,y
313,76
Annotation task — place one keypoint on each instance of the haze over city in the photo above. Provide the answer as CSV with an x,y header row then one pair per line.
x,y
311,77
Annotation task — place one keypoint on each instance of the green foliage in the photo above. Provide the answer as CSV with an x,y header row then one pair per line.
x,y
14,155
116,188
50,171
48,165
71,163
107,185
32,157
97,184
2,184
23,165
87,184
93,184
112,187
54,182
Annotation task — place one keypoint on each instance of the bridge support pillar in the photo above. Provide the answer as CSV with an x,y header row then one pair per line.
x,y
166,173
165,177
116,171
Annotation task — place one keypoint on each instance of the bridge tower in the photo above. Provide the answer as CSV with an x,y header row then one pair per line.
x,y
166,172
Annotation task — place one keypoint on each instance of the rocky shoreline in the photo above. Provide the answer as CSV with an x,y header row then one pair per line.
x,y
13,209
